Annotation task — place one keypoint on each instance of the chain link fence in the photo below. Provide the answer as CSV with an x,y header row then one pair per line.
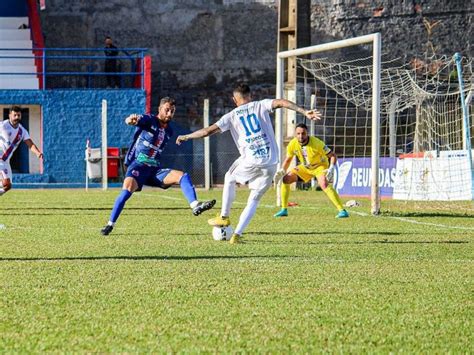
x,y
190,156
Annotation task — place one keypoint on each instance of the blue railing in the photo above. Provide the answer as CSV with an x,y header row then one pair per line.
x,y
78,67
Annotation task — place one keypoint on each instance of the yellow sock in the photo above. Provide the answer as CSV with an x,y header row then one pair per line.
x,y
334,197
285,195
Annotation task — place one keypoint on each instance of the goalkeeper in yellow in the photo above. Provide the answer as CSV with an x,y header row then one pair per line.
x,y
315,160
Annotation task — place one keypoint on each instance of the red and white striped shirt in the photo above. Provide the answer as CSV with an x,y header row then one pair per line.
x,y
10,138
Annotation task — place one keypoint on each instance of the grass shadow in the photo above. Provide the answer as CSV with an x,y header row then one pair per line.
x,y
421,241
56,211
427,214
328,233
145,257
356,242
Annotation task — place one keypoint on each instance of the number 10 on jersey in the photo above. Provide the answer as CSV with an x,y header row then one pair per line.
x,y
251,124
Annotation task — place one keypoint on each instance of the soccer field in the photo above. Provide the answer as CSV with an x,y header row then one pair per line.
x,y
308,283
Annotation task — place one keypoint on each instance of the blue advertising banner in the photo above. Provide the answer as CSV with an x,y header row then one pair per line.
x,y
353,176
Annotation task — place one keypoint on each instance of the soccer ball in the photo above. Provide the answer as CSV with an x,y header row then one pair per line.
x,y
222,233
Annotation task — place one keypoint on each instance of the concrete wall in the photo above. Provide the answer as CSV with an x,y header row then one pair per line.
x,y
70,117
401,23
197,47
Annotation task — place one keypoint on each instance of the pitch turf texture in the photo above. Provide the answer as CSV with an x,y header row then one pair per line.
x,y
308,283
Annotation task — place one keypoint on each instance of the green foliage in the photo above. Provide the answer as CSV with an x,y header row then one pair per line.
x,y
307,283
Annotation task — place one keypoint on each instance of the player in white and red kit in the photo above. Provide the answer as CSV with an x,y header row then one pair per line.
x,y
251,128
12,133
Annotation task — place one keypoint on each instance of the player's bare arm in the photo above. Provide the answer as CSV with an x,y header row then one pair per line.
x,y
282,171
133,119
286,163
34,148
330,170
332,158
201,133
283,103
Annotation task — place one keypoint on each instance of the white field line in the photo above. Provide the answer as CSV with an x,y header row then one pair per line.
x,y
402,219
161,196
363,214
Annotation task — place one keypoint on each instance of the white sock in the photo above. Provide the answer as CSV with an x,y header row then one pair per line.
x,y
228,197
246,216
110,223
193,204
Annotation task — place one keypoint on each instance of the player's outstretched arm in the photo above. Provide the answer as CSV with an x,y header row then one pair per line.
x,y
282,171
34,148
201,133
330,171
132,120
283,103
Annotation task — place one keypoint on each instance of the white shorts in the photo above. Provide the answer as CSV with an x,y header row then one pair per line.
x,y
5,170
259,178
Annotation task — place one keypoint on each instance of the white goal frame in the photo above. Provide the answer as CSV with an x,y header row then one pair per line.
x,y
376,40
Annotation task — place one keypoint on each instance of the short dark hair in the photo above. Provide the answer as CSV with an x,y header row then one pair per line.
x,y
15,109
242,89
169,100
301,125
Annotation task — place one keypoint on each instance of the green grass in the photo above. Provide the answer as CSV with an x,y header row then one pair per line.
x,y
307,283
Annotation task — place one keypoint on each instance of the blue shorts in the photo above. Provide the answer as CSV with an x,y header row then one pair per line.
x,y
147,175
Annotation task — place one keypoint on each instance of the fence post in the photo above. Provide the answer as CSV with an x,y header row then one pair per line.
x,y
44,68
207,150
104,145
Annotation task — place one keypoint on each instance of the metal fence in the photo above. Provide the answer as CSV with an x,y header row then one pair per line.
x,y
76,68
190,156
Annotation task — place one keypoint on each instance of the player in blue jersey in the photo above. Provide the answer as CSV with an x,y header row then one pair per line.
x,y
143,161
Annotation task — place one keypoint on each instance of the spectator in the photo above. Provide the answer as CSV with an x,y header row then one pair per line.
x,y
111,63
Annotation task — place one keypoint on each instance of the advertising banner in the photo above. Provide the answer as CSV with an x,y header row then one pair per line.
x,y
445,178
353,176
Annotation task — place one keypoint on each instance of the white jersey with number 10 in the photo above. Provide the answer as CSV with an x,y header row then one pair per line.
x,y
251,128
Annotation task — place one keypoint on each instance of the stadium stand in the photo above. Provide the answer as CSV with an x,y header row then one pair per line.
x,y
17,64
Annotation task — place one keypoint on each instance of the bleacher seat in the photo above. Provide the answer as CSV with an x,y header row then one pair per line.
x,y
14,35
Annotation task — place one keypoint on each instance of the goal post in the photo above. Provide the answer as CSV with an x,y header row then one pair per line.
x,y
402,128
376,42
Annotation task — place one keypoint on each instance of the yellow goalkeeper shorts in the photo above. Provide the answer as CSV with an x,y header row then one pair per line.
x,y
307,174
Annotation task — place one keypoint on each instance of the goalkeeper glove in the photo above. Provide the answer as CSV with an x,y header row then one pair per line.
x,y
279,175
330,174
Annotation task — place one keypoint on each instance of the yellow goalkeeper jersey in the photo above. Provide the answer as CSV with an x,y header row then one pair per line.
x,y
311,155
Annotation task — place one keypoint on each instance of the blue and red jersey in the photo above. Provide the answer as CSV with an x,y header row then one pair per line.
x,y
149,140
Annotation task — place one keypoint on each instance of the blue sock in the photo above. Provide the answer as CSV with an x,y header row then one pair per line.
x,y
119,203
188,188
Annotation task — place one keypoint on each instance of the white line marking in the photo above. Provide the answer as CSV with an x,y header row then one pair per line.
x,y
160,196
363,214
402,219
430,224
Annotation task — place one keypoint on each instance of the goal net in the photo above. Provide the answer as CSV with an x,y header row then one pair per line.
x,y
417,113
